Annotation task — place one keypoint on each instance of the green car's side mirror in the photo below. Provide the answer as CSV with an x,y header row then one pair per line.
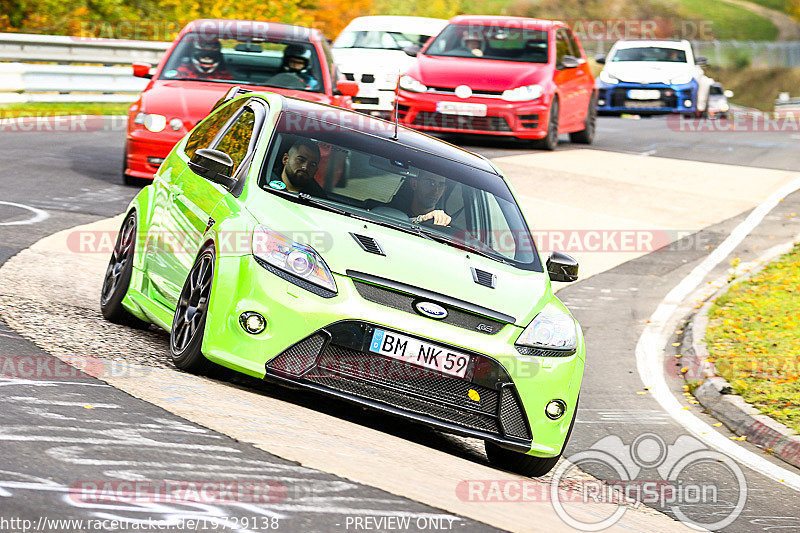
x,y
213,165
562,267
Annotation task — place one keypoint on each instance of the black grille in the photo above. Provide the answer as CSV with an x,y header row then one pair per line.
x,y
529,121
365,100
368,244
368,78
668,98
406,302
543,352
349,77
452,90
481,277
460,122
300,357
511,419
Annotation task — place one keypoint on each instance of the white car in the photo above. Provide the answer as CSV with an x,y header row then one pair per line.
x,y
649,76
371,51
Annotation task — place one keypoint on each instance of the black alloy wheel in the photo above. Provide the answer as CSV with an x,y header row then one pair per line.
x,y
550,141
118,276
189,322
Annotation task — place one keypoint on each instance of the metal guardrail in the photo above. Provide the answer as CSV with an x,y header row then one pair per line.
x,y
62,49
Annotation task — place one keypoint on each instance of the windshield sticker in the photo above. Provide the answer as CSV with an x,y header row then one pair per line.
x,y
170,73
277,184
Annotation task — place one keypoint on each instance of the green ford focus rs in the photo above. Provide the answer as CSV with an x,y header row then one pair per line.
x,y
329,250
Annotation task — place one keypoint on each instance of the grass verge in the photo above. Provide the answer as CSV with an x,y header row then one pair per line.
x,y
753,342
757,87
51,109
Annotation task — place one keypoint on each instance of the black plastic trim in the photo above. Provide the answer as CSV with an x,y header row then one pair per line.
x,y
300,282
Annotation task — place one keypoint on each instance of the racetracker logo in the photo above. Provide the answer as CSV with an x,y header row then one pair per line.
x,y
202,492
167,30
737,123
46,367
47,123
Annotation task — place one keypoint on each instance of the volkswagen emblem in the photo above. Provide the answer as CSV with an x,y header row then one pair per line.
x,y
431,310
463,91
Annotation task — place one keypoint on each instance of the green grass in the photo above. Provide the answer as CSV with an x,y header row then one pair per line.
x,y
752,339
756,87
730,21
62,108
777,5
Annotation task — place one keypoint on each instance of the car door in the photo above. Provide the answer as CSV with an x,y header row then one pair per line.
x,y
192,199
569,82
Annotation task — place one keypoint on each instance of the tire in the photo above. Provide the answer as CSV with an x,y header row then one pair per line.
x,y
550,141
118,276
524,464
586,135
189,321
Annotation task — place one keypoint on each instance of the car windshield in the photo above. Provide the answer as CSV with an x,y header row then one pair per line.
x,y
281,63
491,42
650,53
370,177
386,40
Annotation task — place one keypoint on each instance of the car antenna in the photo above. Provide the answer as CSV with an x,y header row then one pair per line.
x,y
396,97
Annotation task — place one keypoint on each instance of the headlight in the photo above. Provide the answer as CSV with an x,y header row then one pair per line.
x,y
297,259
552,329
683,79
152,122
522,94
605,77
410,84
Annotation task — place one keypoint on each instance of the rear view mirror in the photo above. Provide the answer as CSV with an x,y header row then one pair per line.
x,y
570,62
213,165
701,61
412,50
347,88
142,70
601,59
728,93
562,267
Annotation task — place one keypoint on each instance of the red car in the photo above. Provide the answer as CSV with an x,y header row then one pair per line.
x,y
205,61
508,76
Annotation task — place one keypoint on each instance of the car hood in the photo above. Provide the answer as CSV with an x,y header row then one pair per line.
x,y
372,60
648,72
409,259
478,74
191,101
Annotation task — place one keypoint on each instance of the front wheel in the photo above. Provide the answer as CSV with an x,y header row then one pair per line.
x,y
189,322
550,141
118,277
586,135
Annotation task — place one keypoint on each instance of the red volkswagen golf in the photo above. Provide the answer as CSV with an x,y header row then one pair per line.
x,y
509,76
208,58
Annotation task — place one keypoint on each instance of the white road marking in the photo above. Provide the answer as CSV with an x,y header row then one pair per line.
x,y
38,215
649,362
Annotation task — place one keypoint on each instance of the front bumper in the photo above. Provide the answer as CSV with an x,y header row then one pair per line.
x,y
524,120
144,149
317,342
672,98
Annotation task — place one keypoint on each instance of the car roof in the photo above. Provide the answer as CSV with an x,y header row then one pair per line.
x,y
421,25
492,20
678,44
233,29
385,129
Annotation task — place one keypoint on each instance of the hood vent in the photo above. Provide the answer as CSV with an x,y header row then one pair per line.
x,y
368,244
481,277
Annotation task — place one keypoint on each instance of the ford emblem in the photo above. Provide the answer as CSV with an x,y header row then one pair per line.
x,y
431,310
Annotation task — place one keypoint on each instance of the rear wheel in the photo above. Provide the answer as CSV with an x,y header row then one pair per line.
x,y
586,135
550,141
189,322
524,464
118,276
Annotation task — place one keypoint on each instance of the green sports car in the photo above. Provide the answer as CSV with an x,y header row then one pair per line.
x,y
333,251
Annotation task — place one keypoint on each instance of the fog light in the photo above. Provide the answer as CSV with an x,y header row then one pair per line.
x,y
601,102
687,103
252,322
555,409
175,124
155,160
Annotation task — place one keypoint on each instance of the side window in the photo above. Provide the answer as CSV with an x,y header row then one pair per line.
x,y
204,134
236,141
573,43
562,46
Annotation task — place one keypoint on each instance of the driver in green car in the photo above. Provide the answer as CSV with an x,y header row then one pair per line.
x,y
426,191
300,164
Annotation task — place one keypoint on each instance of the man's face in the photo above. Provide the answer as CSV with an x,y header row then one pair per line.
x,y
300,164
296,63
428,189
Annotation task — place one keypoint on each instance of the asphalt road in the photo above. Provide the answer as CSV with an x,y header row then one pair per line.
x,y
74,178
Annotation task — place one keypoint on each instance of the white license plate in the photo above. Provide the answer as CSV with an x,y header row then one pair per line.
x,y
419,353
644,94
460,108
640,104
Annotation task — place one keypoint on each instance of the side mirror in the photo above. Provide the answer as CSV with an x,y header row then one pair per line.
x,y
412,50
701,61
601,58
213,165
728,93
562,267
570,62
347,88
142,70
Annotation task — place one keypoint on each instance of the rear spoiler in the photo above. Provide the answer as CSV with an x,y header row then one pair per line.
x,y
231,94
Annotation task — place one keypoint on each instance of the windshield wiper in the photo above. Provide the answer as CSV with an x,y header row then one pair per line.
x,y
463,245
